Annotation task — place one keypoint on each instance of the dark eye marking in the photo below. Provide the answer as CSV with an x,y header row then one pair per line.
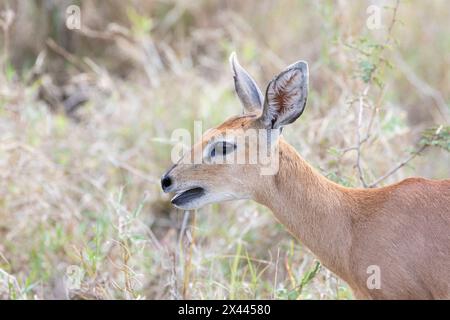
x,y
222,148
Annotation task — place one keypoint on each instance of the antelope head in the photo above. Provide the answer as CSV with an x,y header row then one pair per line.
x,y
226,168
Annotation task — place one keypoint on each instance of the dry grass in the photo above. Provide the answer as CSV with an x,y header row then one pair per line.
x,y
79,189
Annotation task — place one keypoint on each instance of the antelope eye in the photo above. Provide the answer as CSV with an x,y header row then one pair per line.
x,y
222,148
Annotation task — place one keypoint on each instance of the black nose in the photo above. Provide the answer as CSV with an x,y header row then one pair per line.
x,y
166,182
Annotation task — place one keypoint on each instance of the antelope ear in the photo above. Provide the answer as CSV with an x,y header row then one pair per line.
x,y
246,88
286,96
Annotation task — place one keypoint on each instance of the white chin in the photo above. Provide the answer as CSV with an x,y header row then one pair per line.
x,y
190,205
201,201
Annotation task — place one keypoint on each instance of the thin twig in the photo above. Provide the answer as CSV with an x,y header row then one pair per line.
x,y
183,226
404,162
79,64
188,258
275,280
112,32
394,19
359,143
183,259
398,166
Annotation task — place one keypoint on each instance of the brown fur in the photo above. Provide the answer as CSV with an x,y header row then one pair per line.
x,y
403,228
400,232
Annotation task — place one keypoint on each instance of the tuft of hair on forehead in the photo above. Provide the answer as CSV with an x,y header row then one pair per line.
x,y
241,121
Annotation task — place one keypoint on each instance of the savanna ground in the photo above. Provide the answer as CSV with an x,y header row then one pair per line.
x,y
86,118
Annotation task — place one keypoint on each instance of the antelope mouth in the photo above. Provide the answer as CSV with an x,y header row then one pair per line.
x,y
186,196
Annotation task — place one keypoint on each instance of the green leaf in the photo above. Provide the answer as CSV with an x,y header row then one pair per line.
x,y
310,274
437,136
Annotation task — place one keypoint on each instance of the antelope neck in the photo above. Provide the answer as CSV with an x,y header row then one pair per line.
x,y
314,209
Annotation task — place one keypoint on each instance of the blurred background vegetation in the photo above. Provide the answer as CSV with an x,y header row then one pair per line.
x,y
86,118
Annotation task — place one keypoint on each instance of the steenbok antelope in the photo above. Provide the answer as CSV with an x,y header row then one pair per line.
x,y
401,231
